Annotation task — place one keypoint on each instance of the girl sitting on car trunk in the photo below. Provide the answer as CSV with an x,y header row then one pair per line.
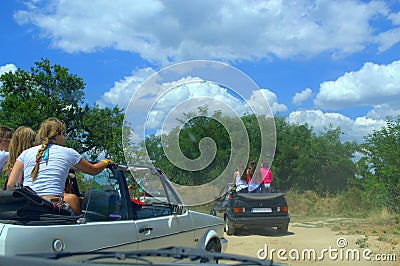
x,y
44,168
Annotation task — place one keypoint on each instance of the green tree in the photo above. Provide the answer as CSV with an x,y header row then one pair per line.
x,y
224,131
379,166
303,160
328,161
192,129
45,91
307,161
28,98
292,140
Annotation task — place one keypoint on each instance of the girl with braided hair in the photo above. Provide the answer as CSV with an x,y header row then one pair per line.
x,y
45,167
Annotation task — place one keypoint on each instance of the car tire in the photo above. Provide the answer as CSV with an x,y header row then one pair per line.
x,y
229,229
283,229
212,246
213,212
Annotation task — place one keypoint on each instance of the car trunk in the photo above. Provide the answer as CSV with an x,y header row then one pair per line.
x,y
259,204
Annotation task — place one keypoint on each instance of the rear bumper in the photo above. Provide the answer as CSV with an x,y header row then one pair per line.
x,y
259,222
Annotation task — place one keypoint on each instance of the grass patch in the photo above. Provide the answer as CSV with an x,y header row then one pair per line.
x,y
309,207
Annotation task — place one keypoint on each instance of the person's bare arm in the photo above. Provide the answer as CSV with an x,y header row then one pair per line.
x,y
92,169
16,175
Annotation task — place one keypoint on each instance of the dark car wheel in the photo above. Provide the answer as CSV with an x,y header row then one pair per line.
x,y
283,229
229,229
212,246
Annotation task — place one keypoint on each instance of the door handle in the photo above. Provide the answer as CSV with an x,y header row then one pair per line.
x,y
145,229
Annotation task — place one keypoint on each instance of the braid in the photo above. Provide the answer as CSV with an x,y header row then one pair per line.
x,y
48,131
35,170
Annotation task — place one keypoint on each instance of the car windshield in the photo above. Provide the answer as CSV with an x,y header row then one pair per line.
x,y
114,194
149,185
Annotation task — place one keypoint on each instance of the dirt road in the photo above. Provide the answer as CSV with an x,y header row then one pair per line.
x,y
331,248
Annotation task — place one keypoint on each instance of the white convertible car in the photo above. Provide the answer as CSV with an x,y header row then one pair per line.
x,y
118,215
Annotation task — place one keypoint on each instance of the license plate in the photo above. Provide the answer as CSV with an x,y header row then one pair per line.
x,y
261,210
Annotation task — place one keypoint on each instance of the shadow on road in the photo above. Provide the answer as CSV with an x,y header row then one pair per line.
x,y
261,232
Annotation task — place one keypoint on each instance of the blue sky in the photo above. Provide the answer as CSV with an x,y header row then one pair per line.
x,y
317,62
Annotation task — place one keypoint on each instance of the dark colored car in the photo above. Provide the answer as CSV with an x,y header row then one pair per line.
x,y
252,211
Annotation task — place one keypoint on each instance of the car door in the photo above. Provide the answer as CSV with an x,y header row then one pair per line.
x,y
108,223
159,222
165,231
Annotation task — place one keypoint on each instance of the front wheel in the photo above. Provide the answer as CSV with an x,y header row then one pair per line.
x,y
212,246
229,229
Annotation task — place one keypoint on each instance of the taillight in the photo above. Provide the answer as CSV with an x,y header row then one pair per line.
x,y
283,209
235,210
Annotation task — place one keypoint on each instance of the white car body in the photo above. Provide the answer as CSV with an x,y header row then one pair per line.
x,y
159,225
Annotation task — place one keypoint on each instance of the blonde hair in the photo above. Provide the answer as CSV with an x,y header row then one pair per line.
x,y
48,131
22,139
6,133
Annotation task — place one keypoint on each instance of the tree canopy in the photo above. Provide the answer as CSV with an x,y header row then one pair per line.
x,y
303,160
28,98
379,165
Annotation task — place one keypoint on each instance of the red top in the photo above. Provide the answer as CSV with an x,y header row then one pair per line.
x,y
266,175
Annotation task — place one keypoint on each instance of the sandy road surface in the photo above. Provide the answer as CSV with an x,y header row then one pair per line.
x,y
308,236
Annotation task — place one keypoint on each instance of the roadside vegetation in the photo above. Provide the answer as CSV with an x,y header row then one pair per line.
x,y
346,213
356,178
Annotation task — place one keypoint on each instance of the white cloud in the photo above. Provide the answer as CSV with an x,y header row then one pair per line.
x,y
182,96
300,97
388,39
7,68
123,90
395,18
363,126
149,97
372,85
391,37
352,129
258,99
186,98
382,111
172,31
157,106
